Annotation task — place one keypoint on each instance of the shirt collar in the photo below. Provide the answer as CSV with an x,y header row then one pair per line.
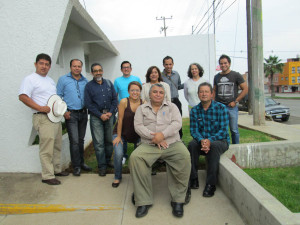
x,y
70,75
148,104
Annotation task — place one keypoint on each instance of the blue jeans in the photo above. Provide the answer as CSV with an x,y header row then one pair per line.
x,y
233,114
102,140
76,127
118,157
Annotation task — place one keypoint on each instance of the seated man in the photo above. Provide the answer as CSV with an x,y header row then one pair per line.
x,y
209,128
157,123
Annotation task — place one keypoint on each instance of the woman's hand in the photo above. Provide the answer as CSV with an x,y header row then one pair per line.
x,y
117,140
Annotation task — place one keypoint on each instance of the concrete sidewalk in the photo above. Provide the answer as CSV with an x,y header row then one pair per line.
x,y
91,191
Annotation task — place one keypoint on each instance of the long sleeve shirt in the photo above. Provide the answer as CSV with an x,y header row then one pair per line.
x,y
99,97
72,91
211,124
167,120
146,89
174,81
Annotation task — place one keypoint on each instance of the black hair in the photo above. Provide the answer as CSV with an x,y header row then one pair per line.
x,y
43,56
166,58
225,57
201,71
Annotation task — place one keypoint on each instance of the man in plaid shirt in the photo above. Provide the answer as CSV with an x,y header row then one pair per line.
x,y
209,128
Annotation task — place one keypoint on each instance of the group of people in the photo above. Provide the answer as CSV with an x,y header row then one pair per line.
x,y
149,116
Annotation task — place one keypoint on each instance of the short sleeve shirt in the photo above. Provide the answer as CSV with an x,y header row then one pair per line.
x,y
227,86
121,85
38,88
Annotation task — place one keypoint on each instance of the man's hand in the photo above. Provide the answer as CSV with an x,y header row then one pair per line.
x,y
109,114
205,145
67,115
103,117
163,145
232,104
45,109
157,137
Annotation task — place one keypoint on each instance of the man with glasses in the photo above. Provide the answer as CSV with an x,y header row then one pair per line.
x,y
70,87
121,83
121,88
101,101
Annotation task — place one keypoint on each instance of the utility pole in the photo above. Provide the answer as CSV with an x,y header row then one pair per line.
x,y
164,28
214,16
249,45
257,58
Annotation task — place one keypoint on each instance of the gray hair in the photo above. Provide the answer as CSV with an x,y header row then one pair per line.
x,y
157,85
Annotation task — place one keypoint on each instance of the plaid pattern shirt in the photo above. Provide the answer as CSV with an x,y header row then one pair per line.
x,y
211,124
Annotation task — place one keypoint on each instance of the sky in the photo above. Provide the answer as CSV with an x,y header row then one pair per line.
x,y
135,19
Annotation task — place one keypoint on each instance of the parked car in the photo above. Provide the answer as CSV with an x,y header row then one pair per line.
x,y
276,111
273,109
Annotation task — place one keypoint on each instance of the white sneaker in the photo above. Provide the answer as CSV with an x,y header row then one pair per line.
x,y
123,161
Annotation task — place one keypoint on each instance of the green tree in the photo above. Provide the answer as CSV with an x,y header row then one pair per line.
x,y
273,65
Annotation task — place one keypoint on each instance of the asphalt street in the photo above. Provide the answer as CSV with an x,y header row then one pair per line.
x,y
294,106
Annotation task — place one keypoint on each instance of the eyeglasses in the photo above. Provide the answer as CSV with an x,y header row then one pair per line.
x,y
126,67
135,90
97,71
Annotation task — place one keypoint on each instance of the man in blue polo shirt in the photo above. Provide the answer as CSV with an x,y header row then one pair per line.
x,y
101,100
121,83
70,87
209,128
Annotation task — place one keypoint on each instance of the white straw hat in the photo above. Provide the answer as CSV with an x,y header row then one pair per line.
x,y
57,108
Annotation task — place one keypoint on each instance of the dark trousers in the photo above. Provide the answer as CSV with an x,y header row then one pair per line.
x,y
178,104
76,127
217,148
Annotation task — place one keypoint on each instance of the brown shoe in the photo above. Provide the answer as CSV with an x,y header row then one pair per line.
x,y
62,174
51,181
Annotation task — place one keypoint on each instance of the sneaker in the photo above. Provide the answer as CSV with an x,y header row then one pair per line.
x,y
123,161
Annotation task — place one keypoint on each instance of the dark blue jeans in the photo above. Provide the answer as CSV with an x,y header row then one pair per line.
x,y
217,148
102,140
76,127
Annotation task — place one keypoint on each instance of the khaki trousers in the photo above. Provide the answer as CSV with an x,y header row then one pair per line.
x,y
50,135
178,165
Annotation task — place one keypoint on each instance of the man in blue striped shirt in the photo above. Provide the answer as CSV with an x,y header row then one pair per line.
x,y
209,128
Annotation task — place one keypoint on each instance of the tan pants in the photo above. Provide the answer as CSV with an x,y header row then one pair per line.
x,y
178,163
50,135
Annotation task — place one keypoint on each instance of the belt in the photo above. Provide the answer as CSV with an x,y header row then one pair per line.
x,y
84,110
40,113
104,110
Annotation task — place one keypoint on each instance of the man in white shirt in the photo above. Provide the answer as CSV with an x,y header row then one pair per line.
x,y
34,92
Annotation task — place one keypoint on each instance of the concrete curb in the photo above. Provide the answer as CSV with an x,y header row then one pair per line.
x,y
254,203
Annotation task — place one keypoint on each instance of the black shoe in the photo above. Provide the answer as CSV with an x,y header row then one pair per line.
x,y
115,185
86,167
209,190
142,211
62,174
102,173
194,183
110,165
51,181
76,171
177,209
188,196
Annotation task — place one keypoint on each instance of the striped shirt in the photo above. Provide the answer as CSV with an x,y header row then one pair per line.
x,y
211,124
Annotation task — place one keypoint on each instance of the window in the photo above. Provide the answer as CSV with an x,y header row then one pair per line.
x,y
298,69
276,79
293,69
86,63
286,78
299,79
282,78
293,79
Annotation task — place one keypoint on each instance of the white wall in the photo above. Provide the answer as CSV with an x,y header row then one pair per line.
x,y
29,28
143,53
